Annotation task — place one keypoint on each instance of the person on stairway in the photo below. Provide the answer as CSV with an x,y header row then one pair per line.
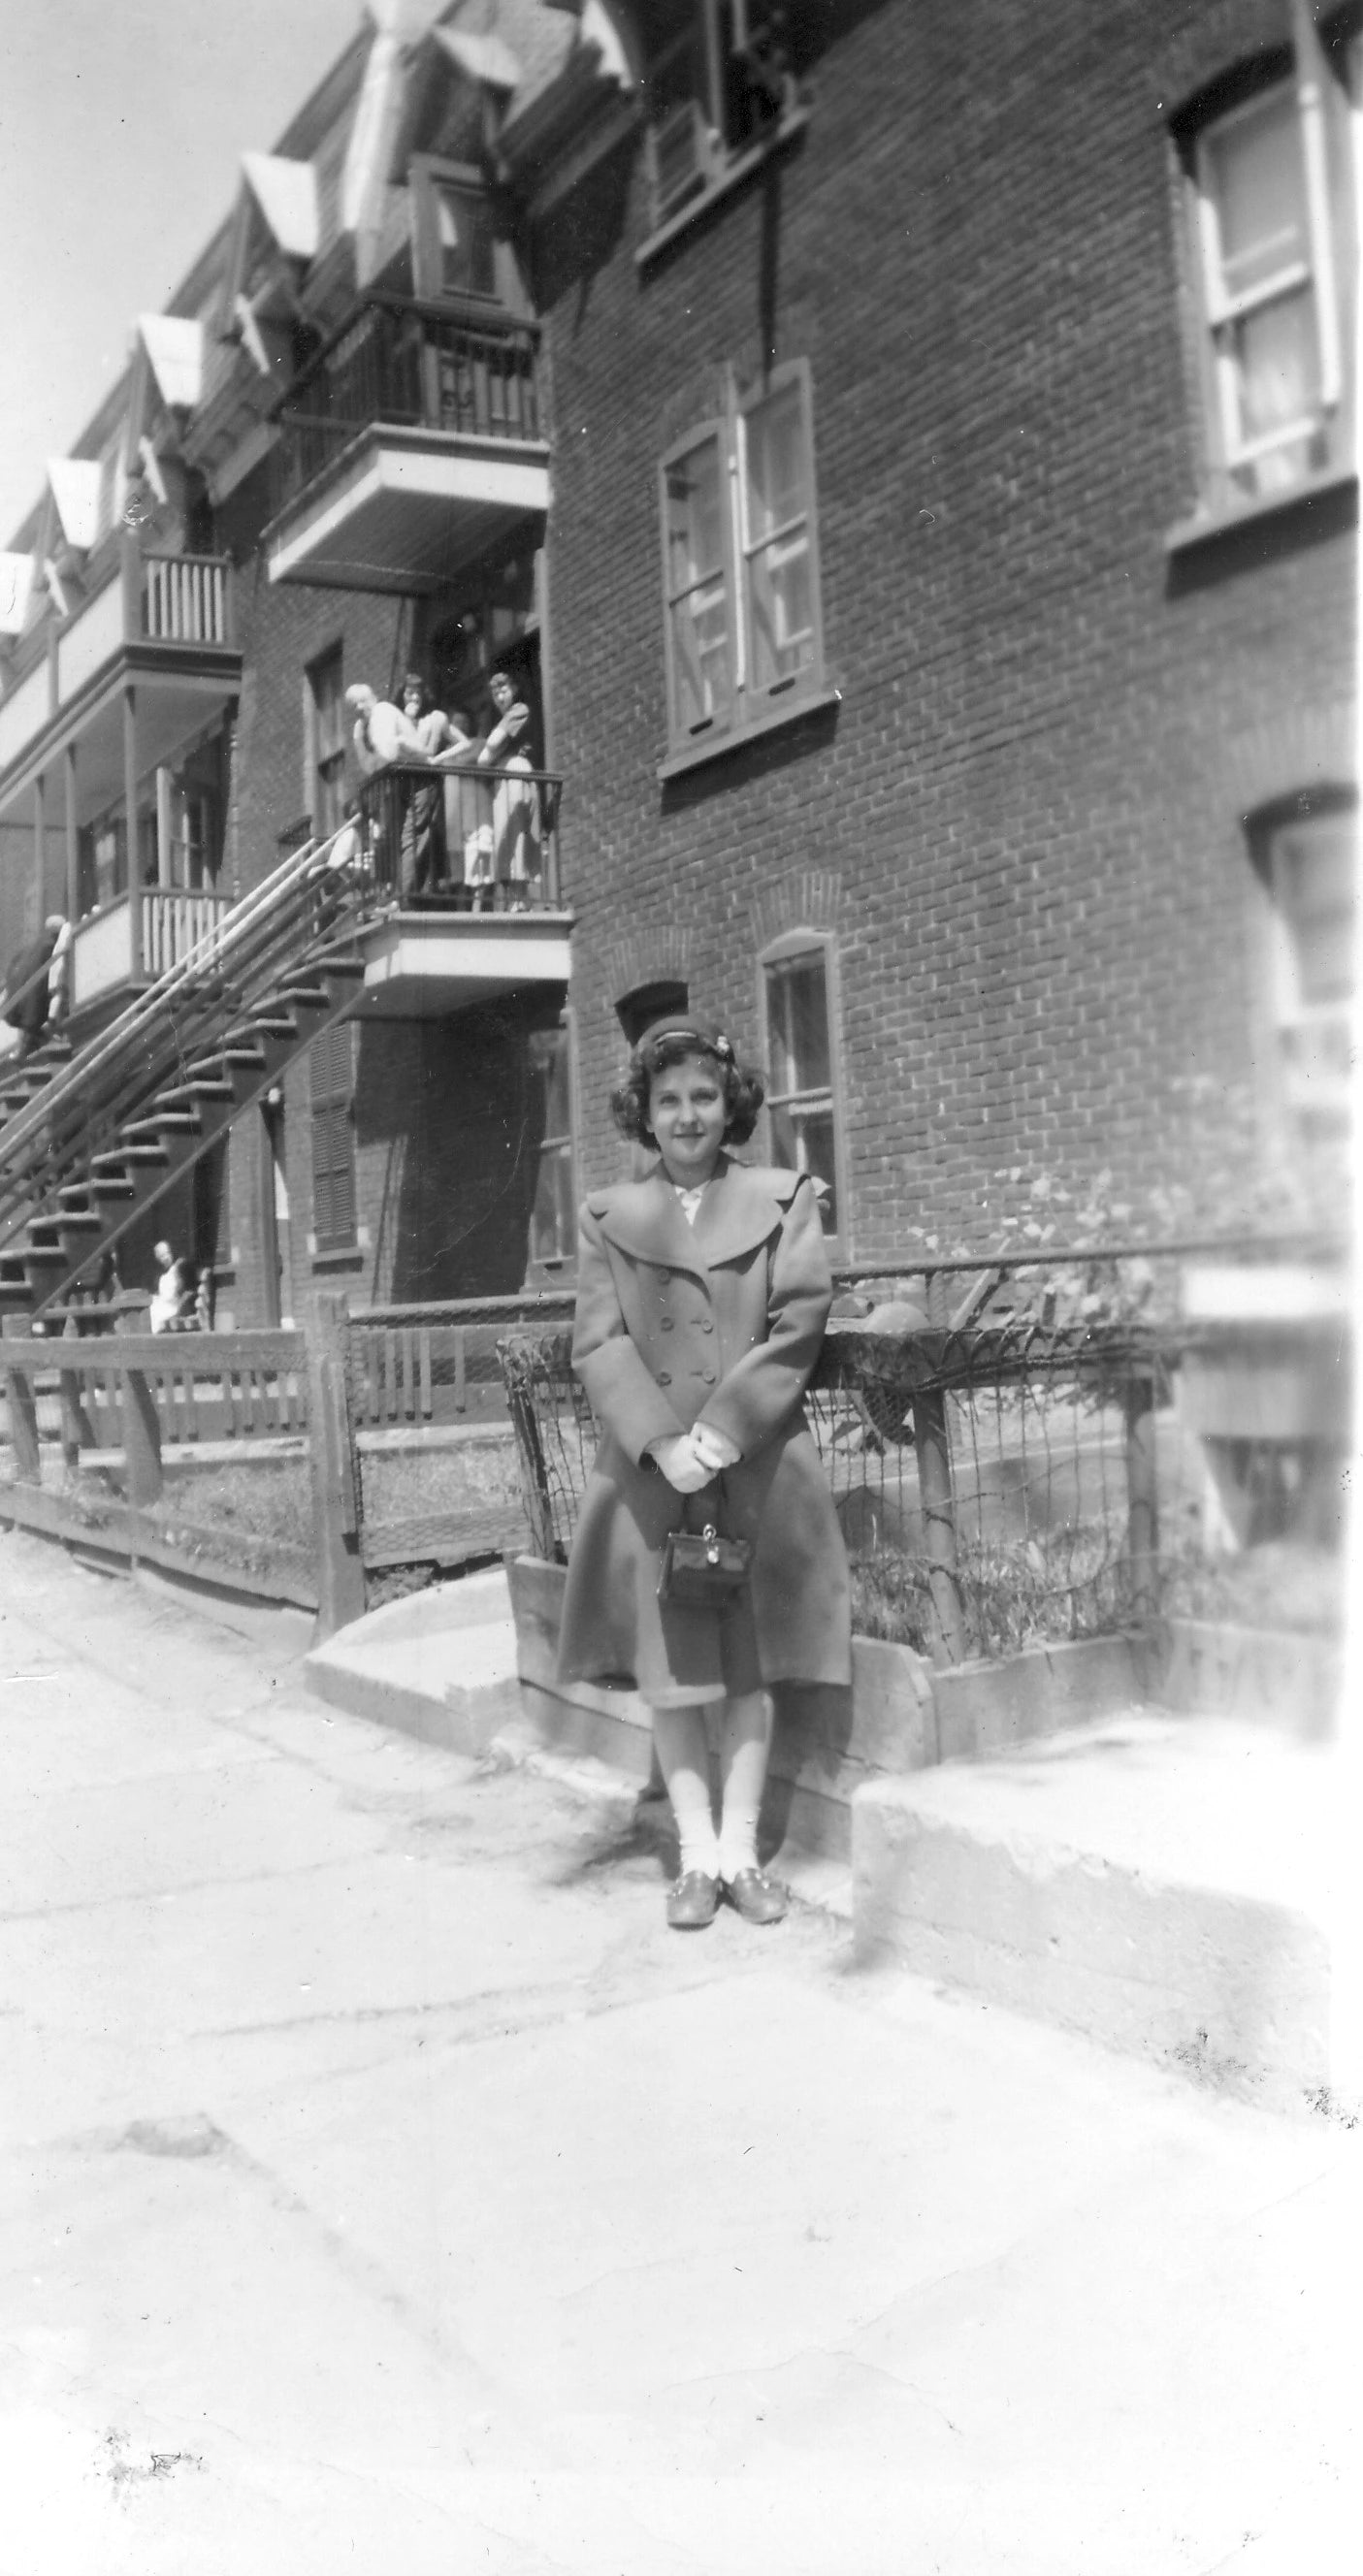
x,y
29,983
172,1306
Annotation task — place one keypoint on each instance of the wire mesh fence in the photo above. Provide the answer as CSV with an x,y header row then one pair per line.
x,y
995,1483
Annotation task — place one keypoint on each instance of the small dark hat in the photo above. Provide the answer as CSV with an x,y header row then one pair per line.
x,y
702,1034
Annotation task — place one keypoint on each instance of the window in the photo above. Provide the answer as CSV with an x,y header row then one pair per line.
x,y
1312,864
717,83
455,250
553,1221
332,1064
740,564
326,743
1270,177
801,1100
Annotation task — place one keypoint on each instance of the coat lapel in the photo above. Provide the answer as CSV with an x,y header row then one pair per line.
x,y
644,1220
742,1207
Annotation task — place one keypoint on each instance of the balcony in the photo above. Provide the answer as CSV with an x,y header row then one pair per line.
x,y
410,444
139,936
462,865
146,659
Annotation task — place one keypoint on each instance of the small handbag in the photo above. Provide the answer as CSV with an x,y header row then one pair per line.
x,y
702,1569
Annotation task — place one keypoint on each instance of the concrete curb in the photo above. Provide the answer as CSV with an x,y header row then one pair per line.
x,y
1161,1884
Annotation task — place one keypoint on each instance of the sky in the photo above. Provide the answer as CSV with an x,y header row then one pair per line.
x,y
122,123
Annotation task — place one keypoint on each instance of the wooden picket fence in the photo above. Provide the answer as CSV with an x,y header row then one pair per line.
x,y
120,1400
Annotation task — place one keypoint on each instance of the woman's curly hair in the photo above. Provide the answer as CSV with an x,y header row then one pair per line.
x,y
743,1087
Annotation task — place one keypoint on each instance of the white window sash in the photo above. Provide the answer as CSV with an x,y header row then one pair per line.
x,y
738,508
1313,276
1311,108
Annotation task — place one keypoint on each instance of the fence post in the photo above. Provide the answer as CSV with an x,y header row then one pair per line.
x,y
331,1460
78,1431
530,1461
951,1644
141,1440
1142,1495
21,1409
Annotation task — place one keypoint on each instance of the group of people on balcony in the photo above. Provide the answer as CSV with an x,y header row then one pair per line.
x,y
485,833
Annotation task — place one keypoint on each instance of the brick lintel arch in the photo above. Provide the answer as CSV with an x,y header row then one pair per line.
x,y
809,899
1297,752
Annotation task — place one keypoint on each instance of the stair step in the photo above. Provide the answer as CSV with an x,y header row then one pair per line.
x,y
111,1190
275,1026
247,1056
186,1096
127,1158
305,996
168,1122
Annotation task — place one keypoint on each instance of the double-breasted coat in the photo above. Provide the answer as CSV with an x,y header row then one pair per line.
x,y
719,1322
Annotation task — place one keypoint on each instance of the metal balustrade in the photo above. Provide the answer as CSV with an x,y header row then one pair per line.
x,y
472,838
411,366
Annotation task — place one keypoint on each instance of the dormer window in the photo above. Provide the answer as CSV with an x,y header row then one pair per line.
x,y
456,253
464,236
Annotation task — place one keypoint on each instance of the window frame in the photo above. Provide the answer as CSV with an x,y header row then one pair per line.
x,y
428,176
324,769
721,157
1312,1108
563,1264
333,1102
756,707
1322,118
785,951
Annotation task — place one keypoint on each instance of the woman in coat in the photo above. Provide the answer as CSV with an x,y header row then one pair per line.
x,y
702,1298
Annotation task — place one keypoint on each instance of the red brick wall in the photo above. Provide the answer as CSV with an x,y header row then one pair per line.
x,y
1025,819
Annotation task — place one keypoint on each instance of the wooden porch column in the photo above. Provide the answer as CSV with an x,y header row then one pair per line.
x,y
130,807
72,839
39,852
165,830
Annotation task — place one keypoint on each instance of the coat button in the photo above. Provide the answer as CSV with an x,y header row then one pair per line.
x,y
663,1378
663,1276
709,1376
706,1324
666,1324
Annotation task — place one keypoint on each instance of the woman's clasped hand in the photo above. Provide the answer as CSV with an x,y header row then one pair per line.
x,y
693,1458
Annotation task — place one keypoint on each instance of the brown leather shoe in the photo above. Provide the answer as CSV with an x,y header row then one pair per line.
x,y
756,1897
693,1901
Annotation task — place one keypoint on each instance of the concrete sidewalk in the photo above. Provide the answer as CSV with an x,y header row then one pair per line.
x,y
383,2188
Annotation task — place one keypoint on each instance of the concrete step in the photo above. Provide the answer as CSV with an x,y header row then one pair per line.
x,y
440,1664
1163,1883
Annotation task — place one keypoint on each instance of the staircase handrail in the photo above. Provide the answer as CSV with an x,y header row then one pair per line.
x,y
254,926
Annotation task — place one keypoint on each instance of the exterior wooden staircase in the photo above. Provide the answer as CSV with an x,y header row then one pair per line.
x,y
92,1137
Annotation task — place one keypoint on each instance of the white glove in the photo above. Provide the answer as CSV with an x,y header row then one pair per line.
x,y
677,1460
714,1449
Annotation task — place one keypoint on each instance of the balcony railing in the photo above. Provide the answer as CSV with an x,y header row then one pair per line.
x,y
138,937
179,601
186,599
467,839
410,366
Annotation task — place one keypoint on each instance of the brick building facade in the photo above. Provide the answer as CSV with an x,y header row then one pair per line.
x,y
1071,669
916,494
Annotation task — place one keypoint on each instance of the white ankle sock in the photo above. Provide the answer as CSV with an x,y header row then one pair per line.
x,y
684,1754
745,1736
